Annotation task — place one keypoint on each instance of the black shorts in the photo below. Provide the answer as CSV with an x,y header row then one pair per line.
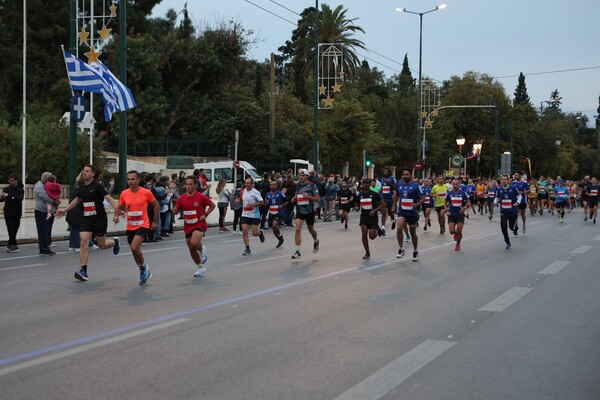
x,y
97,225
309,218
425,205
368,221
250,221
454,219
481,200
542,196
275,217
189,235
438,209
410,219
522,206
143,232
345,207
592,202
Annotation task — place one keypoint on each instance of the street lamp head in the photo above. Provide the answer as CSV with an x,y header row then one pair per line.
x,y
400,9
441,6
460,140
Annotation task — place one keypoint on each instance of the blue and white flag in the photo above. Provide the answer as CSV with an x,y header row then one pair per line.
x,y
98,79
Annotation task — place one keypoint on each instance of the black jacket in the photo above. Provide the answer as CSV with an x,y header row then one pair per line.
x,y
14,201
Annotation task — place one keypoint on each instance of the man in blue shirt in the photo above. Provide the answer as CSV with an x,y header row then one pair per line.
x,y
457,201
523,189
562,198
276,203
388,186
407,199
508,198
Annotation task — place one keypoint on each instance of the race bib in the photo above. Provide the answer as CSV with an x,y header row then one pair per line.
x,y
366,204
385,189
343,200
135,218
442,195
274,209
456,201
506,203
190,217
89,209
406,204
248,208
302,199
593,192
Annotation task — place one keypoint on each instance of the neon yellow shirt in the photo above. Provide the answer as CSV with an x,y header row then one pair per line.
x,y
438,192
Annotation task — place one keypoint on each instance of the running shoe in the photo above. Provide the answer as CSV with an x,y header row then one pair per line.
x,y
407,240
261,236
457,247
425,227
401,253
296,255
382,231
561,221
345,226
490,217
524,229
81,275
203,255
12,249
516,231
280,238
366,256
508,246
429,223
145,275
200,271
455,236
443,228
117,246
246,252
594,220
316,246
393,224
585,219
415,256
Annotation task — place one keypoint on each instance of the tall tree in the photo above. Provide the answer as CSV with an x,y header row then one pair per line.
x,y
406,81
521,96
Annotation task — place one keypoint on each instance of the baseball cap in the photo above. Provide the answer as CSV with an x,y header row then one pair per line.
x,y
303,171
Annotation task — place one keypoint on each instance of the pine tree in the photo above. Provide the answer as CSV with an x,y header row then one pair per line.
x,y
555,100
521,96
406,80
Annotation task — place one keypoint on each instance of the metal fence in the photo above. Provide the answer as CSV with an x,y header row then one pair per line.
x,y
168,147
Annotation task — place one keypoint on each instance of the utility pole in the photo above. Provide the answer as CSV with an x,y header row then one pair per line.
x,y
272,96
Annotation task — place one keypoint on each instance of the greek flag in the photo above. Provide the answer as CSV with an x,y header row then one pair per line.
x,y
83,77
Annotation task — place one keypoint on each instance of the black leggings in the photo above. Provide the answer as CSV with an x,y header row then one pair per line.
x,y
222,212
508,221
237,214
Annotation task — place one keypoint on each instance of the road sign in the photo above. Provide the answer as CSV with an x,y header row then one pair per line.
x,y
78,107
237,164
457,160
418,165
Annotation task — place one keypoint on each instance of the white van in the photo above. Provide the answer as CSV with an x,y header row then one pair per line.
x,y
217,170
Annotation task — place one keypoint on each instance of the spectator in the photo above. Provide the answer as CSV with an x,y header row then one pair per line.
x,y
43,225
223,203
54,191
12,196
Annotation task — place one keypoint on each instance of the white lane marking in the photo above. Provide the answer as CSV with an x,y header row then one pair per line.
x,y
21,267
81,349
581,249
554,268
502,302
151,251
259,261
597,238
383,381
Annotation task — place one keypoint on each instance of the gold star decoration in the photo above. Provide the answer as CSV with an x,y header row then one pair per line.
x,y
424,114
83,36
434,113
104,32
328,101
113,10
322,89
428,123
92,55
336,88
341,74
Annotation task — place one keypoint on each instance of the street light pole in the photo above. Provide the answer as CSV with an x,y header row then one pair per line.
x,y
421,142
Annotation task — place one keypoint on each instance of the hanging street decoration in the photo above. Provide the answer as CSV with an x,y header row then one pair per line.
x,y
330,73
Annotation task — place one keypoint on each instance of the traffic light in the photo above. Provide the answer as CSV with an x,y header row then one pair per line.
x,y
368,162
231,151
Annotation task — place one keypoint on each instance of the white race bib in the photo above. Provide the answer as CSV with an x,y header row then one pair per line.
x,y
190,217
406,204
366,204
135,218
89,209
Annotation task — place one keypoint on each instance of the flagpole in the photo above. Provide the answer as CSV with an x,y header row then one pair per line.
x,y
92,27
24,124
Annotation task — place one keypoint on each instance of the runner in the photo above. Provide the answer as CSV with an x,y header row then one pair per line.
x,y
523,189
584,196
370,204
307,194
95,221
388,185
480,195
542,194
196,208
551,195
562,199
345,197
251,201
439,192
428,203
532,197
592,197
135,201
457,201
491,190
277,202
508,197
407,199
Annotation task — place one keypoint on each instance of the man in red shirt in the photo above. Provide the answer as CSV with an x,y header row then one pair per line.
x,y
194,206
135,201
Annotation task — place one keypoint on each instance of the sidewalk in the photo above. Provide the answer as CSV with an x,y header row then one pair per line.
x,y
28,232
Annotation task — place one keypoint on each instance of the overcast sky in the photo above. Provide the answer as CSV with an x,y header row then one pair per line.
x,y
499,38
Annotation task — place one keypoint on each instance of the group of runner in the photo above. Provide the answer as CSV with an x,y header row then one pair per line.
x,y
402,201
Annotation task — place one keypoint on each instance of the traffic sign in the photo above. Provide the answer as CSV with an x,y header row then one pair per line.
x,y
237,164
418,165
457,160
78,107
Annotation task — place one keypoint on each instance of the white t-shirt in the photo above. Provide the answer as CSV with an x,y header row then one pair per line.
x,y
250,197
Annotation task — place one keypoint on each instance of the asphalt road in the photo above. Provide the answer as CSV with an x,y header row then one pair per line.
x,y
482,323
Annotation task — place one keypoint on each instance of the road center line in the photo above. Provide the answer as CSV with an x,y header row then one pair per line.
x,y
581,249
383,381
554,268
21,267
90,346
502,302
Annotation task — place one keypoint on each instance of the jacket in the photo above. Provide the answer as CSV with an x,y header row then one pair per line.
x,y
14,202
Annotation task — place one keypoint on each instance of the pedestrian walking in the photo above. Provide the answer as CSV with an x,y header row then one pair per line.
x,y
12,197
